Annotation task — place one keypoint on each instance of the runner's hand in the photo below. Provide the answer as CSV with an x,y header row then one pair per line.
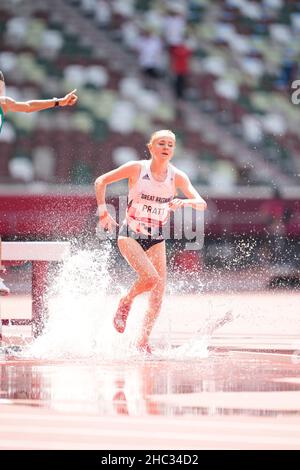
x,y
176,204
107,222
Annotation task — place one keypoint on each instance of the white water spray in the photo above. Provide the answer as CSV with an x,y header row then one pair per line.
x,y
81,303
80,308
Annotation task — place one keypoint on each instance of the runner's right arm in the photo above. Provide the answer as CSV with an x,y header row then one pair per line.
x,y
129,171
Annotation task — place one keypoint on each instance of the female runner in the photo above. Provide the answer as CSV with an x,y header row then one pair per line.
x,y
152,187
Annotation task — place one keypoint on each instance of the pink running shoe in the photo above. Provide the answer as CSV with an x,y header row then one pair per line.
x,y
121,315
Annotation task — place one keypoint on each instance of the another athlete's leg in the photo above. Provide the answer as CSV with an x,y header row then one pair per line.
x,y
157,256
4,290
147,278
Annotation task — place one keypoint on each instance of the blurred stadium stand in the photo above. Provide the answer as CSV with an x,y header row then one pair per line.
x,y
237,119
237,129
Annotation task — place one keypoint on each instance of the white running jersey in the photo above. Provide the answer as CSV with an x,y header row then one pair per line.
x,y
148,200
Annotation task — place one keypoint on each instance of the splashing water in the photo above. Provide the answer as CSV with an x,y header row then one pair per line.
x,y
80,308
80,311
195,348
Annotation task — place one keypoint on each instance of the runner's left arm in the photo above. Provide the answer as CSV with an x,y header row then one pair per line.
x,y
193,198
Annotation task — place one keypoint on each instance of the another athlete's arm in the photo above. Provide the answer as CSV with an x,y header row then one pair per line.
x,y
129,171
9,104
194,199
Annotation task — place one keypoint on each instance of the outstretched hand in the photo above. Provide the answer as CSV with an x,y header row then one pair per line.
x,y
69,99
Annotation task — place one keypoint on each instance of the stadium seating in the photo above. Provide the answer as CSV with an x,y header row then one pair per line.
x,y
237,106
